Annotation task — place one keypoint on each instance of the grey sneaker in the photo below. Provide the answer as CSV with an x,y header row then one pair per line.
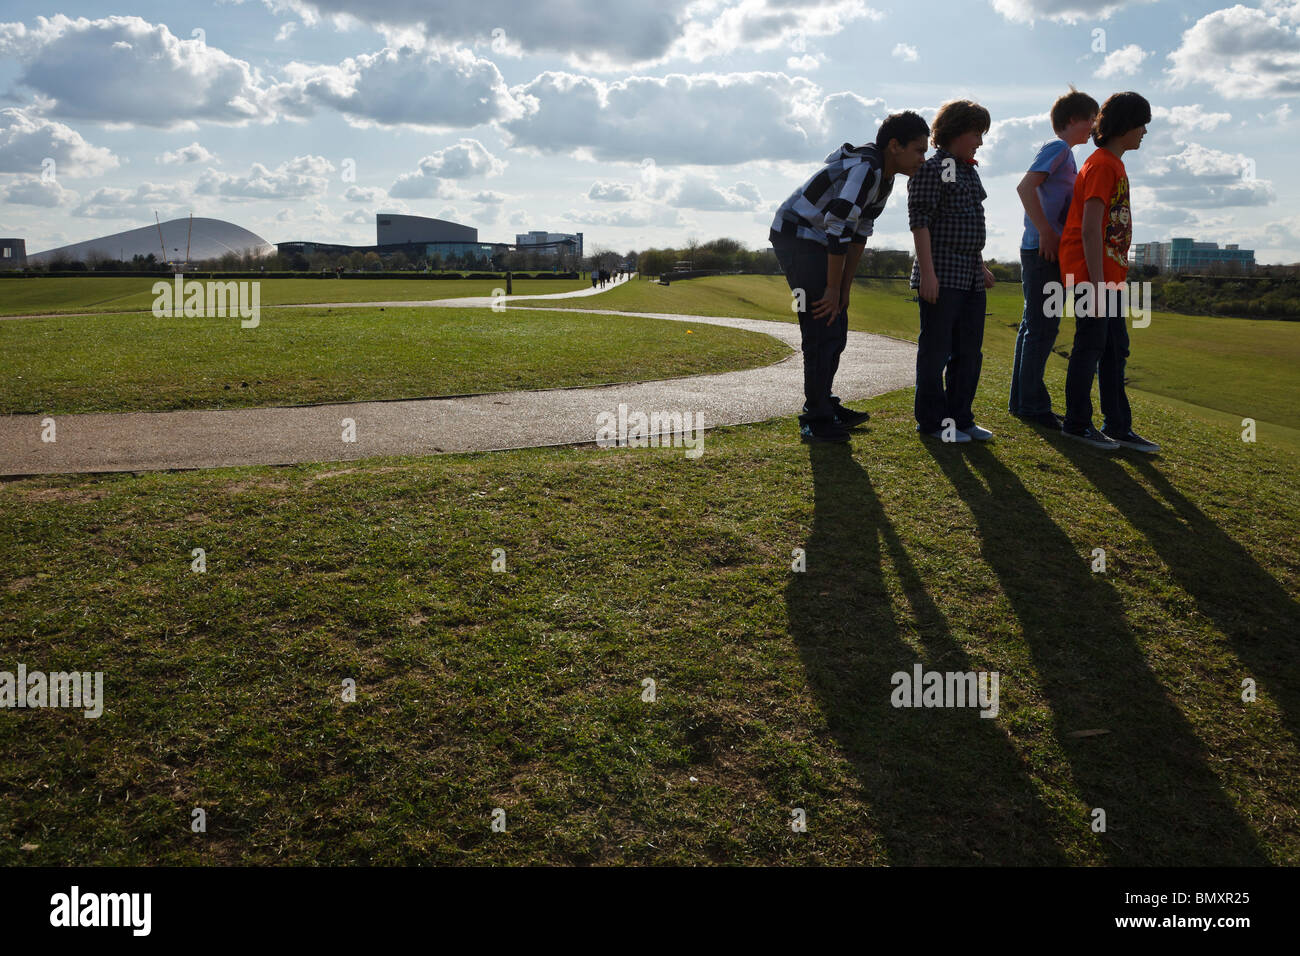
x,y
1090,436
977,433
1132,439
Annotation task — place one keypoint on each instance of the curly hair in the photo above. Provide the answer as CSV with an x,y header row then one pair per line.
x,y
957,117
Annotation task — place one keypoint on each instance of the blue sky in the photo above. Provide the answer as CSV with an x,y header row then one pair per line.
x,y
636,123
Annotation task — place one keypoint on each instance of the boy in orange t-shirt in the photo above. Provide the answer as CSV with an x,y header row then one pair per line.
x,y
1094,252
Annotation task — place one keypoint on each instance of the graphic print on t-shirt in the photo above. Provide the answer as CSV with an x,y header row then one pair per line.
x,y
1119,225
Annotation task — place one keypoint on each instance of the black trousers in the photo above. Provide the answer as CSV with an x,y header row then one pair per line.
x,y
1100,352
948,358
804,264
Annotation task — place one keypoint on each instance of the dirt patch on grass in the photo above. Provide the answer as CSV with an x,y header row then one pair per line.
x,y
65,493
321,476
255,484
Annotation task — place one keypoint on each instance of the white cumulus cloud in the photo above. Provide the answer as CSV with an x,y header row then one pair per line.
x,y
27,140
1242,51
1122,62
123,69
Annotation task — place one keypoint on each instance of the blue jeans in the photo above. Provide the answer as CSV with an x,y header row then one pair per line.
x,y
1101,351
948,358
1037,335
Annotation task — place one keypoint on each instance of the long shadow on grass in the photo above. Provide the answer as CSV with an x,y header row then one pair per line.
x,y
944,785
1243,600
1150,774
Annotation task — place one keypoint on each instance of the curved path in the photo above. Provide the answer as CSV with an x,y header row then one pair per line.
x,y
148,441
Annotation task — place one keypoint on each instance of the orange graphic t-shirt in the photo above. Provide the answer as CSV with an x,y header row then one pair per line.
x,y
1102,177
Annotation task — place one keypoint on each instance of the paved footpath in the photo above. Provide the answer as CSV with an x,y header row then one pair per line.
x,y
148,441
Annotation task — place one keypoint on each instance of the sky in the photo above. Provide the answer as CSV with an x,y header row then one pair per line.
x,y
638,122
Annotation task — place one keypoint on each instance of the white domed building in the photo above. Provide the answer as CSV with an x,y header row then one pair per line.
x,y
203,238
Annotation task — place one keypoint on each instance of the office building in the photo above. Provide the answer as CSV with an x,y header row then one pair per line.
x,y
1188,255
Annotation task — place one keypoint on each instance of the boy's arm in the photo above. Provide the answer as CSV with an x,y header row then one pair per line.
x,y
929,289
922,202
828,306
851,260
1048,239
1093,256
842,215
843,212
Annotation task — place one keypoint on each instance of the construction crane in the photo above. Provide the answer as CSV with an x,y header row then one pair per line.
x,y
161,244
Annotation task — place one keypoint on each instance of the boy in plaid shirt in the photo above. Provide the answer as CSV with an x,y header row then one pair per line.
x,y
945,210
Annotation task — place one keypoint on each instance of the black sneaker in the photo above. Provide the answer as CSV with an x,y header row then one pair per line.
x,y
1090,436
1132,439
850,418
1046,419
832,433
846,417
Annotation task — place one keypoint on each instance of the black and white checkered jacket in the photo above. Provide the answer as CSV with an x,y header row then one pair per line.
x,y
838,206
945,196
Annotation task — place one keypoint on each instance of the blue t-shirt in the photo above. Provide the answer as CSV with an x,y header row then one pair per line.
x,y
1057,160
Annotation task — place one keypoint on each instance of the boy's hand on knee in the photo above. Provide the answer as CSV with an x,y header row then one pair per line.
x,y
828,306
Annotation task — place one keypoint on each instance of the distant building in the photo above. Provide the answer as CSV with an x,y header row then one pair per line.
x,y
170,242
1188,255
13,254
416,237
550,243
392,229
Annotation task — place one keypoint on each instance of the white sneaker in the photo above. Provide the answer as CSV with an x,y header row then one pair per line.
x,y
957,436
977,433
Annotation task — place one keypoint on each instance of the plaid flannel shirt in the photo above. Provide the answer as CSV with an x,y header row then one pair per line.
x,y
838,206
952,208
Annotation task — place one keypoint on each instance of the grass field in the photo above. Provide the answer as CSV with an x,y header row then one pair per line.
x,y
136,362
522,690
1231,368
32,296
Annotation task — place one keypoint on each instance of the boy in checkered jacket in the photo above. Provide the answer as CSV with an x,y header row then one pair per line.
x,y
818,236
945,210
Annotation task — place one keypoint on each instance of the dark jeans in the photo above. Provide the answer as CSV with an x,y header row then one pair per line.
x,y
948,358
804,264
1100,350
1038,330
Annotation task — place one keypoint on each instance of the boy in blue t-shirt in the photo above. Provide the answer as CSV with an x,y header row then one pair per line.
x,y
1045,193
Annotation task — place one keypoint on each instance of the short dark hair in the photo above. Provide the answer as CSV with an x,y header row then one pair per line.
x,y
957,117
1072,106
1120,113
904,127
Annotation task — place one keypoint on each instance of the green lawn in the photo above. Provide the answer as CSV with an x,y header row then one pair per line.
x,y
32,296
1222,370
136,362
522,690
